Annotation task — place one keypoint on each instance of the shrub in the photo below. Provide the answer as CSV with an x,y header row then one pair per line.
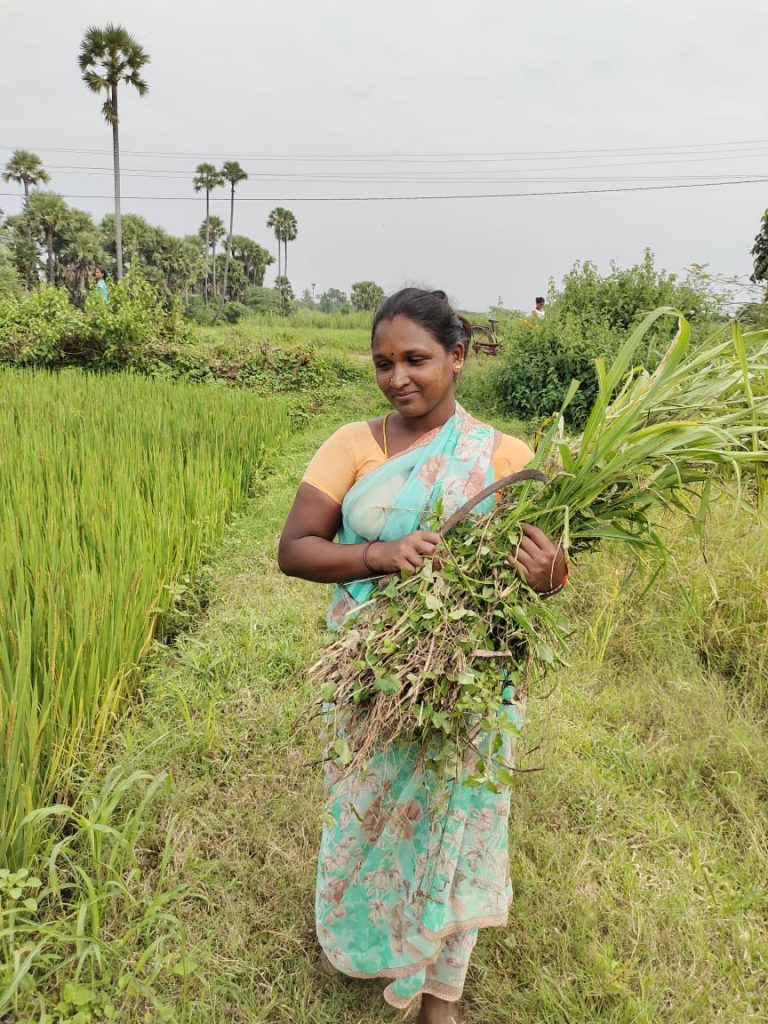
x,y
234,311
586,319
37,329
45,329
541,360
262,300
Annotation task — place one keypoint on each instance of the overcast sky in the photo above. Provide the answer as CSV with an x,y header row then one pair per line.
x,y
439,97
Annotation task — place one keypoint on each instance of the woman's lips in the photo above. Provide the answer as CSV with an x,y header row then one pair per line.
x,y
406,395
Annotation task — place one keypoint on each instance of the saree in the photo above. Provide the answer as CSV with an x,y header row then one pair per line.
x,y
405,881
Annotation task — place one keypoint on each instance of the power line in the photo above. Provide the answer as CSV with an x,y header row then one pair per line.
x,y
556,154
385,199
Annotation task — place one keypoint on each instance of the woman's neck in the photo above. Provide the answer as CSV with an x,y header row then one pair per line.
x,y
403,431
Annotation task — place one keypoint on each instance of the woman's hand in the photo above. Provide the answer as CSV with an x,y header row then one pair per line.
x,y
541,563
407,552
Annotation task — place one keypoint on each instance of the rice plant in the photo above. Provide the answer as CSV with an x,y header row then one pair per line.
x,y
110,491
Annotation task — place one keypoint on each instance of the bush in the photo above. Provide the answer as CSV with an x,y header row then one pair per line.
x,y
262,300
233,311
45,329
541,360
589,317
37,329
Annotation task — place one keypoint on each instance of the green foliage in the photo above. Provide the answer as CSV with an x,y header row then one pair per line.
x,y
333,300
43,328
367,295
587,319
66,933
284,290
541,358
10,282
25,169
234,311
262,300
760,254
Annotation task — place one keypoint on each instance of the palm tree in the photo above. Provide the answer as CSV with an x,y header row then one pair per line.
x,y
234,174
290,230
109,56
49,214
283,223
216,231
26,169
206,179
275,221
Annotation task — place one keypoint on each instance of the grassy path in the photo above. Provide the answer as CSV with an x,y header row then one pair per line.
x,y
639,852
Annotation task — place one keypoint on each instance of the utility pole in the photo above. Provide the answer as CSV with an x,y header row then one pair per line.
x,y
313,295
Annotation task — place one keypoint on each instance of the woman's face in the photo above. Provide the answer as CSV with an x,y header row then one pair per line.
x,y
99,274
413,370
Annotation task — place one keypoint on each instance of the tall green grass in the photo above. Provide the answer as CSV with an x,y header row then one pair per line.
x,y
110,491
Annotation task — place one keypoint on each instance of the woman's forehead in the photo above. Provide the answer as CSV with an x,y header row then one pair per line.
x,y
400,333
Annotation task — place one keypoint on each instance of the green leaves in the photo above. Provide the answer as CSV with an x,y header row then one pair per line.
x,y
387,684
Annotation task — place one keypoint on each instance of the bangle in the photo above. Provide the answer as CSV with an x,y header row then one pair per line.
x,y
554,590
366,563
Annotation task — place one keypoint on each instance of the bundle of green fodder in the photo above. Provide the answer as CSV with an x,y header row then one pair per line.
x,y
427,660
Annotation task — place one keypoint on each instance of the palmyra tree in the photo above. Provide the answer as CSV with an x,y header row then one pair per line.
x,y
206,179
109,56
234,174
26,169
285,227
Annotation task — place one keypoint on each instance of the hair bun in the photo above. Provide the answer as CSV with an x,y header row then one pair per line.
x,y
440,294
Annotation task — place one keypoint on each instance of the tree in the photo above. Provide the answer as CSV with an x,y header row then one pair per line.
x,y
234,174
332,300
290,230
285,291
48,215
367,295
80,251
26,169
107,57
253,258
216,231
285,227
206,179
760,253
275,222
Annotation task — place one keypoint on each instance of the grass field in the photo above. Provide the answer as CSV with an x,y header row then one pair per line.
x,y
638,835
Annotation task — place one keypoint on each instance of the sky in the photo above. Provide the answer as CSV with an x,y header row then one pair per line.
x,y
345,99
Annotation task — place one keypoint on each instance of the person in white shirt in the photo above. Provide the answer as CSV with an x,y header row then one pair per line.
x,y
538,310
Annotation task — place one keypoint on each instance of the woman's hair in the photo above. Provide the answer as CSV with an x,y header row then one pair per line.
x,y
103,271
432,311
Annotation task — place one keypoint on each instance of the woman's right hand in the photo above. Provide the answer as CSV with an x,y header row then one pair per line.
x,y
406,552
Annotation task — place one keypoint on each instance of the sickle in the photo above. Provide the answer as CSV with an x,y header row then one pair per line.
x,y
505,481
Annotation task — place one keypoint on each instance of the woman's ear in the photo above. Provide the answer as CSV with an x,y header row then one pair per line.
x,y
458,354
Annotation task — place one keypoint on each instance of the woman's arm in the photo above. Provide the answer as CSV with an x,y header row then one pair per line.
x,y
307,549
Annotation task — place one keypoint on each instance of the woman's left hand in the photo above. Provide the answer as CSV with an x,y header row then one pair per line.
x,y
540,562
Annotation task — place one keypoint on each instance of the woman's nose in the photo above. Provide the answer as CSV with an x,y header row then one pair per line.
x,y
399,375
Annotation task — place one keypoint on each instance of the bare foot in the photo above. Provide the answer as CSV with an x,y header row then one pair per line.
x,y
437,1011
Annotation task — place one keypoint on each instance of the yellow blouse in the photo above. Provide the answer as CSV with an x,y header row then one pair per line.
x,y
352,452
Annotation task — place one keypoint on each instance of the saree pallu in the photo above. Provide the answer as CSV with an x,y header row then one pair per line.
x,y
405,880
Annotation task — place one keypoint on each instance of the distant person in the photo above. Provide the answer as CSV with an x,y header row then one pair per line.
x,y
101,283
538,309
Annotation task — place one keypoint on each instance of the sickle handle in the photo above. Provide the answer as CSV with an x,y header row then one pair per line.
x,y
505,481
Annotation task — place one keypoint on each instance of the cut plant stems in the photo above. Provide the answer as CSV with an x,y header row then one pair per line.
x,y
426,661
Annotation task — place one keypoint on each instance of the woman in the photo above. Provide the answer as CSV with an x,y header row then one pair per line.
x,y
403,886
101,283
